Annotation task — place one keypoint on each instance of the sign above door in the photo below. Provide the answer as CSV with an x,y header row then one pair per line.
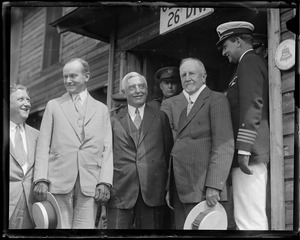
x,y
172,18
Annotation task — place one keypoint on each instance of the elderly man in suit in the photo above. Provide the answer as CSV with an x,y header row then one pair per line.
x,y
74,152
249,103
23,139
203,149
142,143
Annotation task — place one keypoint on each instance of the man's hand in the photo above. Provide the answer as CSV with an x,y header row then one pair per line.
x,y
168,200
212,196
40,190
243,163
102,194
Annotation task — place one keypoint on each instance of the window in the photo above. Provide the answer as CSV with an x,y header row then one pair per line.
x,y
52,37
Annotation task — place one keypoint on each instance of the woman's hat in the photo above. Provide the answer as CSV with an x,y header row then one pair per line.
x,y
203,217
46,214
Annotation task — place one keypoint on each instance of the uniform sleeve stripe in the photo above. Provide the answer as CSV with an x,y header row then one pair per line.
x,y
242,130
244,140
247,135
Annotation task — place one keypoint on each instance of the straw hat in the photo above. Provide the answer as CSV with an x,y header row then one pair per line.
x,y
203,217
46,214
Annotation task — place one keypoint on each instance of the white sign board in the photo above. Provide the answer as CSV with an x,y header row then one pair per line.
x,y
172,18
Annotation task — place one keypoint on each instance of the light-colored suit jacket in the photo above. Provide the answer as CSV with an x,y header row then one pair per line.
x,y
173,107
62,155
18,182
204,147
142,166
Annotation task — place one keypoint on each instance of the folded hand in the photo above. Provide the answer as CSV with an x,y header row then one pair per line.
x,y
102,193
212,196
243,161
40,190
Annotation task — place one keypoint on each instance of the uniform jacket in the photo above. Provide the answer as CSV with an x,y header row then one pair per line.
x,y
204,147
173,107
156,103
62,155
141,166
248,98
18,182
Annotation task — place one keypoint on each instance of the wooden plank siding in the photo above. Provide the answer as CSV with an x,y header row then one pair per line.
x,y
288,108
46,84
32,38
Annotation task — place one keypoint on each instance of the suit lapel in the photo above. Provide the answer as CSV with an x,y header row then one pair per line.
x,y
68,109
12,152
146,123
123,117
30,145
184,120
90,108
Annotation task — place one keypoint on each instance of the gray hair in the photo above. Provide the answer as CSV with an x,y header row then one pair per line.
x,y
84,64
201,65
14,87
131,75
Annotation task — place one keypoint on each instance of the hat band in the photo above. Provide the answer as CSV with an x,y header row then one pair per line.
x,y
49,215
44,214
199,218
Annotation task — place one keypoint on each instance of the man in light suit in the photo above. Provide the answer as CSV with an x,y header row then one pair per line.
x,y
21,165
203,149
74,151
142,143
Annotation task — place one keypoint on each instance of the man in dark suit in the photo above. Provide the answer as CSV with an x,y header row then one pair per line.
x,y
142,141
21,163
203,149
248,97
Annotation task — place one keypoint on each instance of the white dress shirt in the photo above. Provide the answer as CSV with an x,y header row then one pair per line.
x,y
132,114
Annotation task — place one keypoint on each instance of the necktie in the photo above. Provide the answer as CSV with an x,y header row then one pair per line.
x,y
79,109
137,120
77,104
189,106
19,147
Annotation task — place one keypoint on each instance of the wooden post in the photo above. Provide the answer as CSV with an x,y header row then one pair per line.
x,y
276,126
111,57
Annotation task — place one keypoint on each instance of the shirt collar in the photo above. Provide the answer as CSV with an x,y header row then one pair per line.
x,y
131,110
82,95
245,53
185,94
13,126
195,95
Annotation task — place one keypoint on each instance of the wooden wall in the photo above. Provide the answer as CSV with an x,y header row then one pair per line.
x,y
46,84
288,111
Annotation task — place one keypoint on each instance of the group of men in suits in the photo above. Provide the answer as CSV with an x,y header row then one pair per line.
x,y
143,158
71,156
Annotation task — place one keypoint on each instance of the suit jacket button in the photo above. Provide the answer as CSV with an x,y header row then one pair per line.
x,y
178,140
